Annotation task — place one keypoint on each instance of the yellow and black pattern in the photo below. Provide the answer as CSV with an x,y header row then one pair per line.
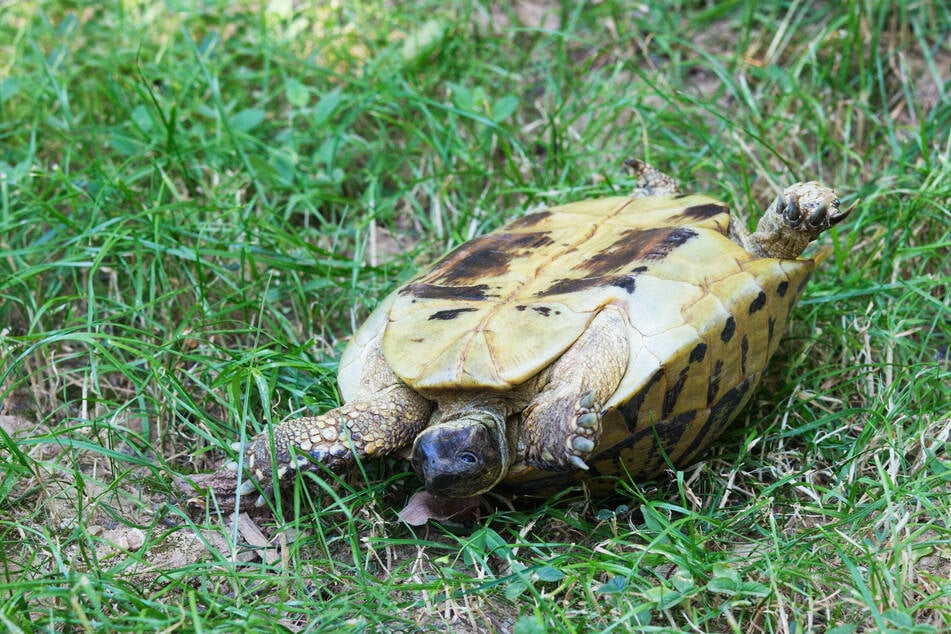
x,y
500,308
617,335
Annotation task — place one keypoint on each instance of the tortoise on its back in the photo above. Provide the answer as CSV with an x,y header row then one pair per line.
x,y
601,337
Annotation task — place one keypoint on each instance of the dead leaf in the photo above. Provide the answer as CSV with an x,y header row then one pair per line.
x,y
424,506
126,538
19,427
256,539
385,245
534,14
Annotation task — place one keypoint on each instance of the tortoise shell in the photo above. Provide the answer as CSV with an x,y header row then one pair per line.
x,y
609,336
704,318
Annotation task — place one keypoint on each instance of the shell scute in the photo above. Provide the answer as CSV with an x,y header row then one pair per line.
x,y
501,307
684,385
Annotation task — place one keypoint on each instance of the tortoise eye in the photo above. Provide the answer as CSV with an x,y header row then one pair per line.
x,y
468,457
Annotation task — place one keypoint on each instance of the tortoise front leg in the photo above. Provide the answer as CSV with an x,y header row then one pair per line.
x,y
383,417
562,424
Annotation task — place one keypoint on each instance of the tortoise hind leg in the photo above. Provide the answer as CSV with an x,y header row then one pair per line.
x,y
383,417
562,424
792,221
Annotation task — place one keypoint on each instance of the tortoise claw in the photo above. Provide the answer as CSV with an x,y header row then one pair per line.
x,y
791,212
780,201
586,401
817,220
588,421
835,219
582,444
247,487
810,206
578,462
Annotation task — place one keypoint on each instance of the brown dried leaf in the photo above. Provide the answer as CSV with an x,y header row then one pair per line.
x,y
424,506
125,538
535,14
385,245
254,537
19,427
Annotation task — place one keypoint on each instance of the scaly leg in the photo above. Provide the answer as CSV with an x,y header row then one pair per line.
x,y
384,416
562,424
792,221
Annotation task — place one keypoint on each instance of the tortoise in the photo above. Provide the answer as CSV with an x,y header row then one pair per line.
x,y
607,336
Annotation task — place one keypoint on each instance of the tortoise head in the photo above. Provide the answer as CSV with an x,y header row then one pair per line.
x,y
464,456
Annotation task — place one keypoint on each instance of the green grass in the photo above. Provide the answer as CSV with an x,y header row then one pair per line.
x,y
198,202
